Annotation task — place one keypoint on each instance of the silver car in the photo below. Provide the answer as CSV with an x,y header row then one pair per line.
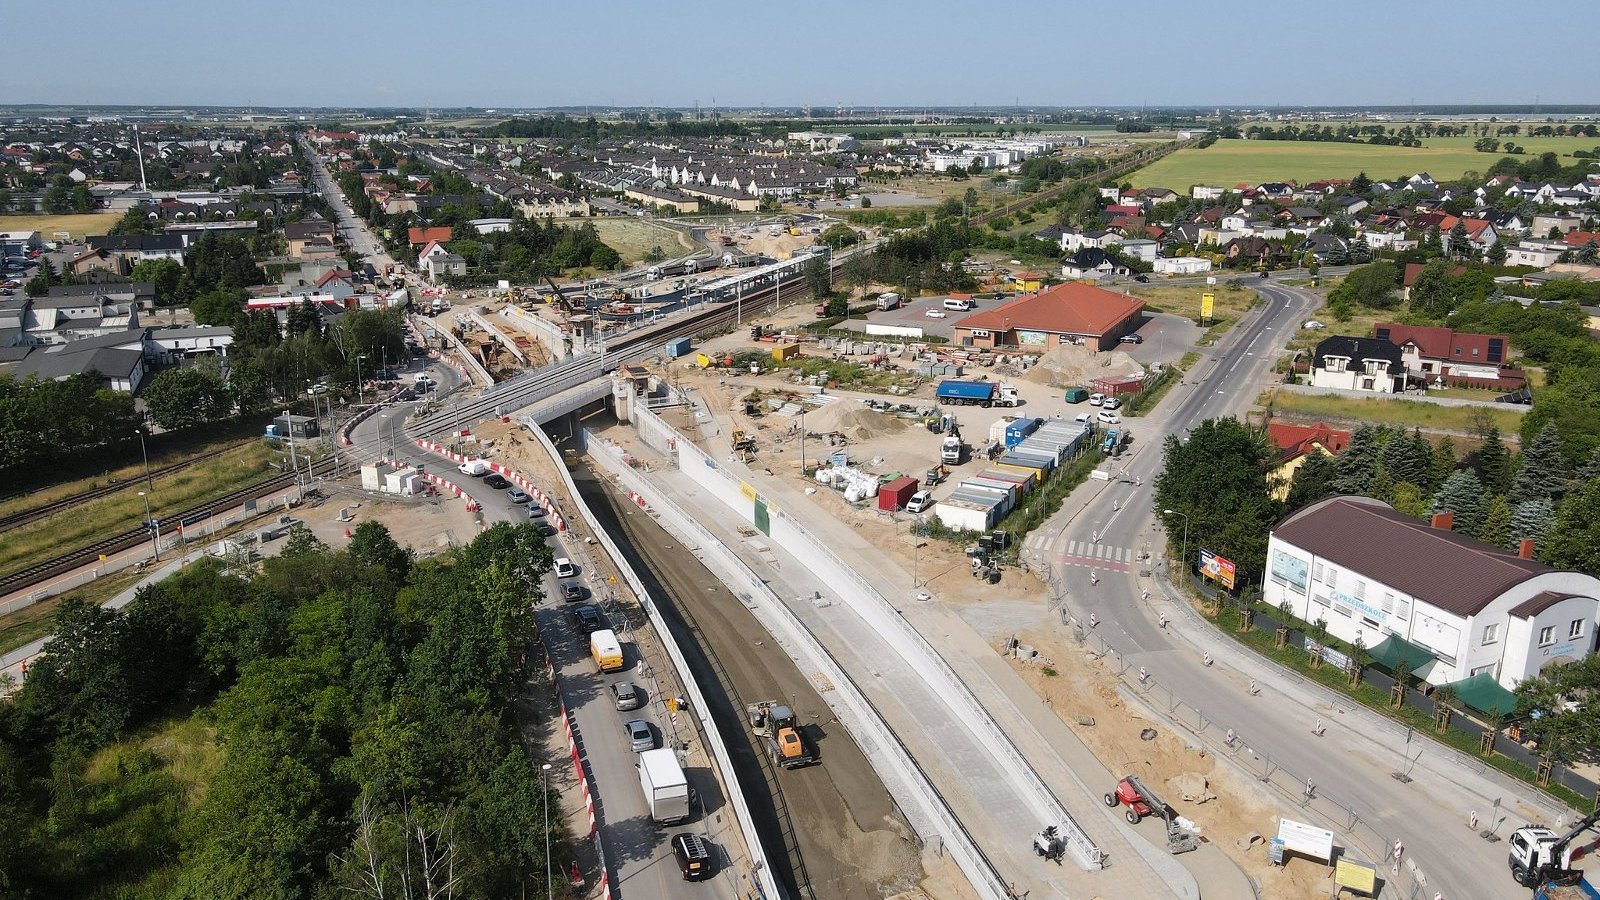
x,y
640,737
626,696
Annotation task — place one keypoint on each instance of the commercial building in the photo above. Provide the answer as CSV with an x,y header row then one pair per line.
x,y
1181,265
1451,607
1064,314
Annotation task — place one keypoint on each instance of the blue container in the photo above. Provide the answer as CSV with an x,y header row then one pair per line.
x,y
678,347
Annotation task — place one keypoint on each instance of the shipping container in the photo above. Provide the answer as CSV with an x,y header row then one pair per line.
x,y
1038,465
894,496
965,516
1019,429
678,347
1029,477
785,351
965,392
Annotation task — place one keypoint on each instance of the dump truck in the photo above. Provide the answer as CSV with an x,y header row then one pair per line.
x,y
775,724
1581,889
666,788
957,392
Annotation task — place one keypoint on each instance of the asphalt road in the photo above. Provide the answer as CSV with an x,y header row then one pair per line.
x,y
352,229
1353,759
637,849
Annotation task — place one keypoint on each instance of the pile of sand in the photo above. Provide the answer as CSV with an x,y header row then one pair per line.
x,y
1076,365
856,422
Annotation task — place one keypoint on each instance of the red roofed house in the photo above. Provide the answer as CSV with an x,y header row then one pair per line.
x,y
1295,444
1479,231
1581,238
1120,209
1443,354
1065,314
418,237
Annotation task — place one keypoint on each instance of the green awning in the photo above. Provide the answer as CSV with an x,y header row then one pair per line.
x,y
1484,694
1394,649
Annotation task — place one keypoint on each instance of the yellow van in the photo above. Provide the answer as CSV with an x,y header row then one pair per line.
x,y
606,650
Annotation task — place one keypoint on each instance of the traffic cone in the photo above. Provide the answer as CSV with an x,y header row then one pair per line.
x,y
347,533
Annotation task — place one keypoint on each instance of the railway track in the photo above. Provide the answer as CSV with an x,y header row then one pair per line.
x,y
23,517
67,562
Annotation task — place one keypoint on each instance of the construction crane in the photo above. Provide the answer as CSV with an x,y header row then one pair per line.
x,y
566,305
1539,855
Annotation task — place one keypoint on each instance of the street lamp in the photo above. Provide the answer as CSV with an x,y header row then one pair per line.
x,y
360,397
916,550
146,454
149,524
544,782
1185,550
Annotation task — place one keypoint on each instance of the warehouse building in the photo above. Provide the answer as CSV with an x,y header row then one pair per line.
x,y
1064,314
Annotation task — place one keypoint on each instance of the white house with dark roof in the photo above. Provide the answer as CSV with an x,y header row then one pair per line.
x,y
1455,608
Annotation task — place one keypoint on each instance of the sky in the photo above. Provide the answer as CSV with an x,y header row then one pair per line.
x,y
502,53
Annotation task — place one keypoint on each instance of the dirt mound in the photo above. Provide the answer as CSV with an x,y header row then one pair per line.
x,y
1077,365
856,422
1191,786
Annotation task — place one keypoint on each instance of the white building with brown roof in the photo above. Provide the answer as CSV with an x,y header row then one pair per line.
x,y
1452,606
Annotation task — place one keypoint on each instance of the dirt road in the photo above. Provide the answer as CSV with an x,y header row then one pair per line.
x,y
832,825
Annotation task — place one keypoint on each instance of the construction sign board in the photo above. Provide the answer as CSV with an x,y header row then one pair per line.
x,y
1217,568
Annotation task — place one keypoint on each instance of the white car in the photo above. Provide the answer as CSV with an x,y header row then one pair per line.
x,y
1097,398
1111,403
565,568
1081,418
934,313
1108,418
919,501
1313,324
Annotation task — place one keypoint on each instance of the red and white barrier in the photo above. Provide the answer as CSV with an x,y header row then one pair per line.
x,y
557,521
440,482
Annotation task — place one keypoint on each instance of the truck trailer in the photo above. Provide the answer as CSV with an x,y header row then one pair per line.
x,y
666,788
956,392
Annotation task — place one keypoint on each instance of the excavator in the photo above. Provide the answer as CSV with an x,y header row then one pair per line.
x,y
560,298
1539,856
786,745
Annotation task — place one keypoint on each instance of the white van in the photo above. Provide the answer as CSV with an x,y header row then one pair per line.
x,y
1097,398
919,501
958,304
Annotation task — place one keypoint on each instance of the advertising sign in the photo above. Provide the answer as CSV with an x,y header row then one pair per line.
x,y
1217,568
1208,302
1307,840
1290,570
1032,337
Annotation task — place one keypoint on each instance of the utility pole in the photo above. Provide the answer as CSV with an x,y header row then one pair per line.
x,y
144,453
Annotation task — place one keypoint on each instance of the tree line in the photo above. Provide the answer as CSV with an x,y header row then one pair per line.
x,y
43,420
361,706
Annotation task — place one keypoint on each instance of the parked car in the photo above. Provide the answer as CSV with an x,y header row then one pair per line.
x,y
1111,403
588,618
1081,418
518,496
1107,418
694,858
494,480
1096,398
919,501
535,511
1142,278
934,313
1312,324
571,591
1132,339
626,696
640,737
565,568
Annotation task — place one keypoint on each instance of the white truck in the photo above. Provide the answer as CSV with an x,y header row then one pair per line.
x,y
888,300
666,789
477,468
950,451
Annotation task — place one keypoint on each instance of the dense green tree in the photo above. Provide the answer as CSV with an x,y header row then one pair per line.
x,y
1409,499
1313,480
1372,286
1432,294
164,275
1530,520
1542,470
1572,402
181,398
1359,461
1573,540
219,307
1497,253
1218,478
372,544
1493,462
1462,495
1589,471
1566,702
1407,457
1496,525
818,277
1443,465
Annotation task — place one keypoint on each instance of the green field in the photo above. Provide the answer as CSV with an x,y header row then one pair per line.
x,y
1227,163
1340,409
79,224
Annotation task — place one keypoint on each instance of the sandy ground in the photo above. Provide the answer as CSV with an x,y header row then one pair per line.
x,y
425,526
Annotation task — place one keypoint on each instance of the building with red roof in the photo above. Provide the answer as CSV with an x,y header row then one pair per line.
x,y
1437,354
1296,444
419,237
1071,313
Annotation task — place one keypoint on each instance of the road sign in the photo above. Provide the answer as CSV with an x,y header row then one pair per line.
x,y
1217,568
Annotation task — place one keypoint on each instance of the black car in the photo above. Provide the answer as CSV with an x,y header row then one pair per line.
x,y
1142,278
588,618
694,857
494,480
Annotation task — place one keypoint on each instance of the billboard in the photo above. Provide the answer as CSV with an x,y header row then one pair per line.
x,y
1289,570
1308,840
1217,568
1208,303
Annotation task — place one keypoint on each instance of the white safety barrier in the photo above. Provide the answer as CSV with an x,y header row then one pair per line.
x,y
761,876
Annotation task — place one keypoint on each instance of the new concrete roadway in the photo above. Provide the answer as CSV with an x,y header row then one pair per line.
x,y
1093,547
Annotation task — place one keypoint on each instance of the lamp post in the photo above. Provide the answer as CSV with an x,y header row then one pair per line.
x,y
149,524
146,454
544,781
916,551
360,396
1185,550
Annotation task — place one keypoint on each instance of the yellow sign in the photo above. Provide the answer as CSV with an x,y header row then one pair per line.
x,y
748,491
1207,303
1355,876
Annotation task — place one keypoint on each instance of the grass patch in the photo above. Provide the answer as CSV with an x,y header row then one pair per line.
x,y
34,622
633,237
1146,400
1265,643
1396,411
1231,301
80,224
847,374
82,525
